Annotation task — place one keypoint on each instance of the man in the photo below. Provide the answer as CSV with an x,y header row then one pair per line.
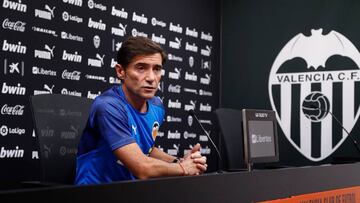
x,y
118,140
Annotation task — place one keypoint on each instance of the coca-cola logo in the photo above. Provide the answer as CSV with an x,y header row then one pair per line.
x,y
16,26
16,110
75,75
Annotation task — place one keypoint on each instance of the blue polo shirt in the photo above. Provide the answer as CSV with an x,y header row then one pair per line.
x,y
114,123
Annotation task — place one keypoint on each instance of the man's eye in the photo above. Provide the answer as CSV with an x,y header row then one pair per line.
x,y
157,69
140,67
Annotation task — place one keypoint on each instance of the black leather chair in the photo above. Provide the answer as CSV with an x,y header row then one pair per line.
x,y
59,121
230,123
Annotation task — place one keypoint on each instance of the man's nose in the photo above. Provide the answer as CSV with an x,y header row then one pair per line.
x,y
150,76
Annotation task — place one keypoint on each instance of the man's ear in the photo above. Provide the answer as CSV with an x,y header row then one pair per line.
x,y
120,71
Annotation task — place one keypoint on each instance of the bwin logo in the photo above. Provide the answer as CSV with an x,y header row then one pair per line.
x,y
173,135
306,93
191,47
140,19
17,90
15,6
119,13
191,77
11,153
205,107
72,57
207,37
158,39
74,2
175,28
192,33
174,104
96,25
16,48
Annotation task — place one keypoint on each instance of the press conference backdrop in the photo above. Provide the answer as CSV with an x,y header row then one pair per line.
x,y
69,47
292,56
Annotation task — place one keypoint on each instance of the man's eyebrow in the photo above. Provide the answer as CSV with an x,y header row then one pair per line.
x,y
146,64
141,64
158,66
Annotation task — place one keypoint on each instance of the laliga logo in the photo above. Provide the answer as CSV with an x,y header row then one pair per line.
x,y
303,96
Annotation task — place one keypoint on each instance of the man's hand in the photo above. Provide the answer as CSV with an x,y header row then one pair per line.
x,y
192,158
196,148
194,166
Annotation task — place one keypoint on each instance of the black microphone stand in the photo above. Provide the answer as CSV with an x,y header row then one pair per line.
x,y
192,113
351,137
337,120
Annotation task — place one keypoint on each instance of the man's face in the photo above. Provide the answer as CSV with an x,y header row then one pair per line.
x,y
142,76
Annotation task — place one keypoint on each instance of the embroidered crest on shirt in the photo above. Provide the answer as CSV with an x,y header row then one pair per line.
x,y
155,130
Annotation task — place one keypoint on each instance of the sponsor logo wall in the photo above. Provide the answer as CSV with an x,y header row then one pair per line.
x,y
69,47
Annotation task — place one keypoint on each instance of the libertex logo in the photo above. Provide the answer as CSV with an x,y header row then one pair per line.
x,y
312,76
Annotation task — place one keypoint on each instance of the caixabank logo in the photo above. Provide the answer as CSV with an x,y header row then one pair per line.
x,y
312,77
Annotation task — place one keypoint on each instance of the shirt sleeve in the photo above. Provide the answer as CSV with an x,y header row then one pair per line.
x,y
113,125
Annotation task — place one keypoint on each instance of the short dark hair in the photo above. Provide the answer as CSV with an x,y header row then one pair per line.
x,y
135,46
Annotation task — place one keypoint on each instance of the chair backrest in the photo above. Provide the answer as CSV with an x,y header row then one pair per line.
x,y
59,121
230,123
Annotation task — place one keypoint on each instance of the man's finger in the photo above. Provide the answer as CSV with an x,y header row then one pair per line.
x,y
201,167
195,155
196,148
201,160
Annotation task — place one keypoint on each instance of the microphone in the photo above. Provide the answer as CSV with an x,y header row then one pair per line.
x,y
192,113
337,120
